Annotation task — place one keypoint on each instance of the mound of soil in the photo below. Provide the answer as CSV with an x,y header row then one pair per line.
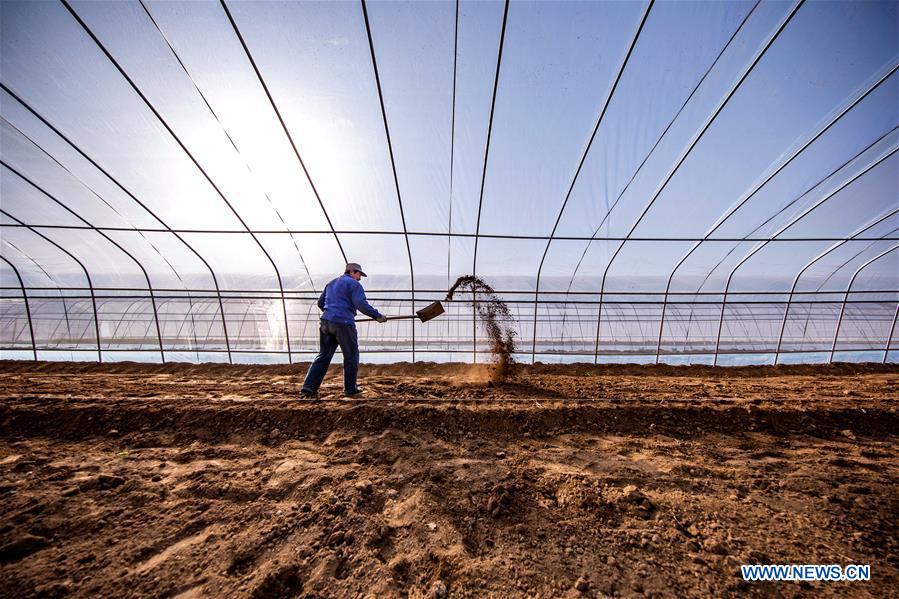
x,y
210,481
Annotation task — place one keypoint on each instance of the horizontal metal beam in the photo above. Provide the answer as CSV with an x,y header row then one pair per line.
x,y
459,351
513,302
275,294
438,234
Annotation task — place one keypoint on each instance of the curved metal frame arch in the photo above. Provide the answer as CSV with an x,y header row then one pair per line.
x,y
62,298
107,238
783,209
680,161
128,193
396,181
227,135
657,142
190,155
792,222
27,309
121,320
836,333
740,203
577,172
189,316
100,230
79,263
293,145
808,265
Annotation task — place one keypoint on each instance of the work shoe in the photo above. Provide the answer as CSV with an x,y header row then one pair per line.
x,y
357,393
308,394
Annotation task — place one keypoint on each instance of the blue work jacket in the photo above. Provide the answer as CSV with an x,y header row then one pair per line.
x,y
341,298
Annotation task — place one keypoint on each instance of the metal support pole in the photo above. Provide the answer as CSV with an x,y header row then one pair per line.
x,y
886,351
396,181
449,225
477,232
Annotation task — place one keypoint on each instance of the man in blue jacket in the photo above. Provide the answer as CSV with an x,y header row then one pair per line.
x,y
338,302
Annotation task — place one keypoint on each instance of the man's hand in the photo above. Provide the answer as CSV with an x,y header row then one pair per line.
x,y
382,319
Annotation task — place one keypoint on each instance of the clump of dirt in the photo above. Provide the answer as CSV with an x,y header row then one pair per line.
x,y
496,317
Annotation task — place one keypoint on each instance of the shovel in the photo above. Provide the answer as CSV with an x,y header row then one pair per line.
x,y
430,311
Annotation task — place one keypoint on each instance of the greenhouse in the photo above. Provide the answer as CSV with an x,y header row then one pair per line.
x,y
705,182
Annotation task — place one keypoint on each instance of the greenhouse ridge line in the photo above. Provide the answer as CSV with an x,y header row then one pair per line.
x,y
128,193
422,234
193,159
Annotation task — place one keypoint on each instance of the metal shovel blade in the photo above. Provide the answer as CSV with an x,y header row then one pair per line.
x,y
430,311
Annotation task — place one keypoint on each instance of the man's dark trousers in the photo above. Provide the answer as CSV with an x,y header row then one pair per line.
x,y
332,335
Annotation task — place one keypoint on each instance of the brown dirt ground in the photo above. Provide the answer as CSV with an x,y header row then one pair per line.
x,y
215,481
